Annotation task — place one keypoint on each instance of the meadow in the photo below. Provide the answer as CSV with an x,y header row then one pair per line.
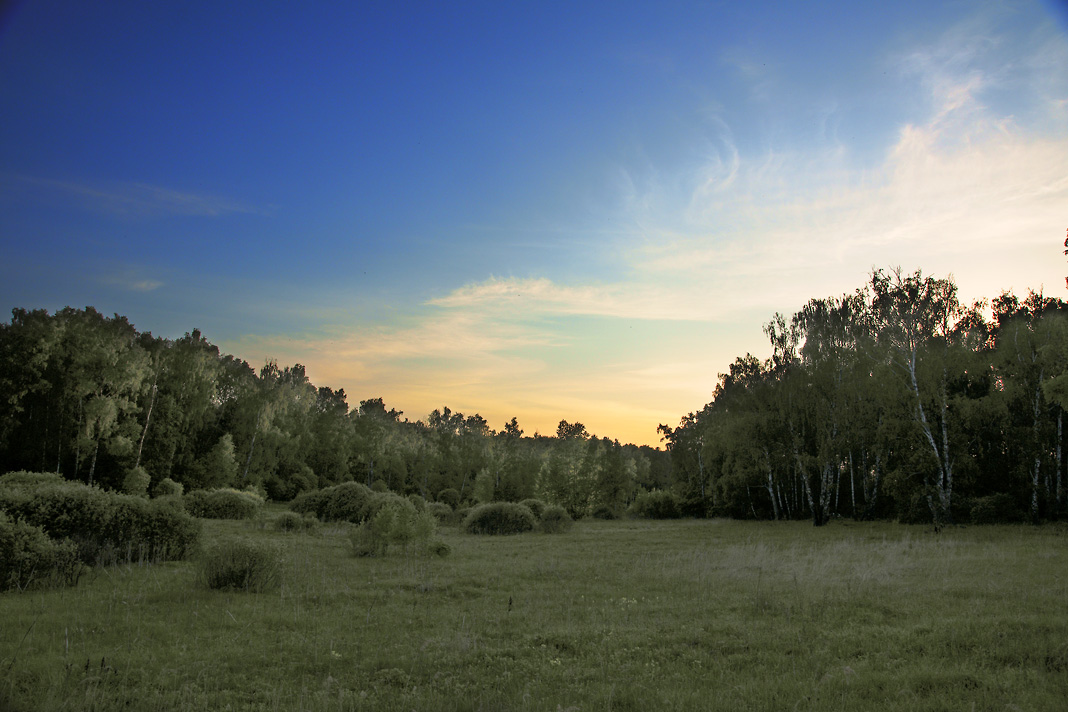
x,y
612,615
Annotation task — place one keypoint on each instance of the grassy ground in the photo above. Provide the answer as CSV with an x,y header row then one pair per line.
x,y
690,615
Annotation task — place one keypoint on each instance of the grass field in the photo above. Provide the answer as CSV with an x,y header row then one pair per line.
x,y
627,615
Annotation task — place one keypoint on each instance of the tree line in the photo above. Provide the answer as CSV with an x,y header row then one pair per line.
x,y
93,399
895,401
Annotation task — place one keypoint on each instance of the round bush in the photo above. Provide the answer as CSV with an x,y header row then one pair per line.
x,y
29,559
31,479
106,527
450,497
439,548
136,482
441,511
996,509
536,506
313,503
555,520
167,488
603,511
499,518
346,502
658,504
290,522
223,503
241,565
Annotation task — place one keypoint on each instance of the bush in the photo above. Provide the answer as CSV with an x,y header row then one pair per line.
x,y
223,503
136,482
241,566
499,518
168,488
391,519
696,507
346,502
438,548
555,520
289,522
603,511
536,506
996,509
450,497
441,511
29,559
658,504
31,479
312,503
106,527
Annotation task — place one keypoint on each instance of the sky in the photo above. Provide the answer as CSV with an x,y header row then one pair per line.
x,y
548,210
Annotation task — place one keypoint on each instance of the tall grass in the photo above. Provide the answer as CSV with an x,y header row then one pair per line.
x,y
620,615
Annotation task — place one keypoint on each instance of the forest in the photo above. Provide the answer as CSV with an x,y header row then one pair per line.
x,y
893,402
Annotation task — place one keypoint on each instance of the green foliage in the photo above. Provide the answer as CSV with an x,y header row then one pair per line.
x,y
290,522
658,504
241,565
223,503
996,509
450,497
106,527
441,511
30,479
536,506
136,482
391,519
168,488
555,520
604,512
483,486
499,518
312,503
346,502
29,559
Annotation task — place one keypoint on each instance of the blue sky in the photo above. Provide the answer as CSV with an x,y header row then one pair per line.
x,y
543,210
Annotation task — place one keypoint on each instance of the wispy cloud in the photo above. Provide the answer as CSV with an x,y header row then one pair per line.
x,y
122,199
131,282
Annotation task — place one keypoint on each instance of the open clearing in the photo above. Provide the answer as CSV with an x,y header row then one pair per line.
x,y
624,615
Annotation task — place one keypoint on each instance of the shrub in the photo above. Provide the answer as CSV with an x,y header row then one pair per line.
x,y
312,503
106,527
499,518
241,565
658,504
391,519
696,507
31,479
136,482
167,488
536,506
418,501
381,500
438,548
223,503
555,520
441,511
292,522
603,511
996,509
346,502
450,497
379,486
29,559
